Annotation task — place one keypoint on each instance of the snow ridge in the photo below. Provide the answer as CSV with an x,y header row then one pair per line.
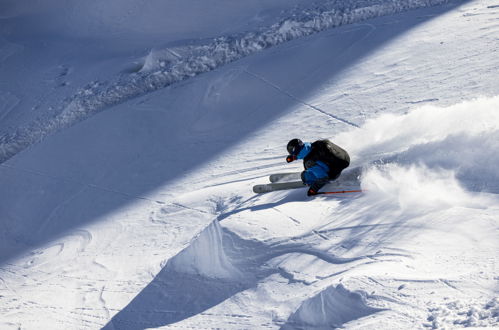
x,y
300,101
206,256
177,64
329,309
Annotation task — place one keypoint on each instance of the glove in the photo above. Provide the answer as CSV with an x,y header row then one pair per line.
x,y
290,158
311,192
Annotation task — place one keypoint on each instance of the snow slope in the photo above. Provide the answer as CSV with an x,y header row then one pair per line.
x,y
161,68
142,216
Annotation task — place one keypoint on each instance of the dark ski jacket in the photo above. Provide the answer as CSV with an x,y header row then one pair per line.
x,y
323,158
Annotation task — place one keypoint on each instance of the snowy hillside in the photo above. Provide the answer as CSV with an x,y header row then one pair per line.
x,y
132,132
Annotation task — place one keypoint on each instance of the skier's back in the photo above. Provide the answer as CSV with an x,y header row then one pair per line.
x,y
323,161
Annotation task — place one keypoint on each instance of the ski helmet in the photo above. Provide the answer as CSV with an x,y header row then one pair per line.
x,y
295,146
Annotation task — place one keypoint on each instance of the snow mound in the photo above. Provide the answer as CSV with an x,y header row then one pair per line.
x,y
331,308
205,256
165,67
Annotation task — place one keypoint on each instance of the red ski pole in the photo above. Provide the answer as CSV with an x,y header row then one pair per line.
x,y
338,192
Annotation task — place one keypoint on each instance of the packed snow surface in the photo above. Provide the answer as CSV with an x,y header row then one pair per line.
x,y
132,132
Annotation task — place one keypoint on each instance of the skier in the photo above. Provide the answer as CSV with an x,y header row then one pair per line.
x,y
322,159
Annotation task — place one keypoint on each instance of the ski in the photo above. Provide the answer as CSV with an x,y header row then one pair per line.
x,y
348,175
347,182
278,177
263,188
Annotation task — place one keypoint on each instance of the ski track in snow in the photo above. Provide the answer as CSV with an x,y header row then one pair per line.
x,y
182,63
84,184
266,81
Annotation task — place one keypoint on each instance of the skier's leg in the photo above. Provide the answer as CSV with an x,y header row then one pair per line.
x,y
316,177
309,178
